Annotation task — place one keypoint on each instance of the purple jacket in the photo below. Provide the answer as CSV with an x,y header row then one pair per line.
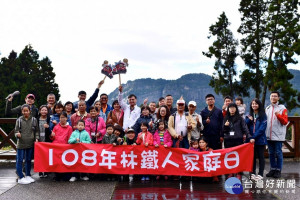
x,y
167,138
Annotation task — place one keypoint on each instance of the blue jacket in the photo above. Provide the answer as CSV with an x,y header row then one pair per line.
x,y
108,109
139,121
260,127
56,117
89,102
214,128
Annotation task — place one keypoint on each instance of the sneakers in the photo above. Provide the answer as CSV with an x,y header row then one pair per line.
x,y
271,173
73,179
85,178
147,178
253,177
130,178
143,178
29,179
23,181
277,174
259,177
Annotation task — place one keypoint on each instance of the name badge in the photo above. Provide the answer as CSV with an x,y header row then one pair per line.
x,y
93,134
231,133
42,134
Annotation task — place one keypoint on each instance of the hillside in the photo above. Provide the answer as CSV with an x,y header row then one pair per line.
x,y
190,86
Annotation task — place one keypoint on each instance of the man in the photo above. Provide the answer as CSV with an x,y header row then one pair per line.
x,y
169,104
105,108
277,119
50,103
81,114
30,99
161,101
212,119
131,112
227,100
90,102
192,106
180,125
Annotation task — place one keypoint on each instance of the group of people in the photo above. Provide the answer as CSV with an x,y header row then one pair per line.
x,y
157,124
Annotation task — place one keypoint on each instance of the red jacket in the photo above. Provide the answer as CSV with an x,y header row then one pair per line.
x,y
76,117
62,134
167,138
147,139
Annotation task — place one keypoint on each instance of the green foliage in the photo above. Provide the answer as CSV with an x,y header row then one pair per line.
x,y
225,53
27,74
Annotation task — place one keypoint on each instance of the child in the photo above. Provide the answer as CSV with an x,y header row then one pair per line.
x,y
129,137
119,133
79,136
194,146
58,108
26,132
43,121
95,125
235,129
162,137
60,135
145,138
109,137
241,106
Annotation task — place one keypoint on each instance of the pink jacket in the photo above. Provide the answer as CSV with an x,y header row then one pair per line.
x,y
148,138
90,127
167,138
62,134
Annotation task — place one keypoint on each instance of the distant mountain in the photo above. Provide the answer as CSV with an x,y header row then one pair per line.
x,y
190,86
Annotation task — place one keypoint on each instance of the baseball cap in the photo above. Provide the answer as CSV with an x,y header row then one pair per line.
x,y
131,130
180,101
30,95
192,103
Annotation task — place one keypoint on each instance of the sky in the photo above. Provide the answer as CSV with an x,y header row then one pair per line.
x,y
160,38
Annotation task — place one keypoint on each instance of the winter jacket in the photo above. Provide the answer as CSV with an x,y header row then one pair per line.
x,y
276,125
90,127
109,139
214,128
76,117
139,121
111,115
236,129
171,125
129,116
128,141
257,129
89,102
29,132
62,134
9,111
56,118
83,136
148,138
167,138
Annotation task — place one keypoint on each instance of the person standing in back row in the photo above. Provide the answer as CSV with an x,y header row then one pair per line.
x,y
277,119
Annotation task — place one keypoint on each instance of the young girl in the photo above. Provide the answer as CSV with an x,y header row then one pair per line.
x,y
257,124
241,106
79,136
235,129
58,108
26,132
145,138
95,125
61,134
43,121
162,135
194,146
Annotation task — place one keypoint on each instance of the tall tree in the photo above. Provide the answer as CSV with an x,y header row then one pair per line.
x,y
224,50
254,43
283,32
27,74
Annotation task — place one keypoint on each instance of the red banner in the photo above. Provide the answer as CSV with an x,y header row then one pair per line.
x,y
105,158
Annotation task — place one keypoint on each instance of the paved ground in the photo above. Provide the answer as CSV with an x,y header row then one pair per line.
x,y
102,189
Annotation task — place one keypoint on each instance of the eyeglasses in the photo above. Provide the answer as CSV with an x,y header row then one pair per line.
x,y
180,104
211,99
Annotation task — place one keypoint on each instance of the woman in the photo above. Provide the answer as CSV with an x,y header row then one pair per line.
x,y
116,116
163,114
57,110
235,129
95,125
100,113
69,108
144,118
257,124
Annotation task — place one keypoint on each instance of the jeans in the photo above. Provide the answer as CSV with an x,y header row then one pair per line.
x,y
275,154
259,153
182,144
21,155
